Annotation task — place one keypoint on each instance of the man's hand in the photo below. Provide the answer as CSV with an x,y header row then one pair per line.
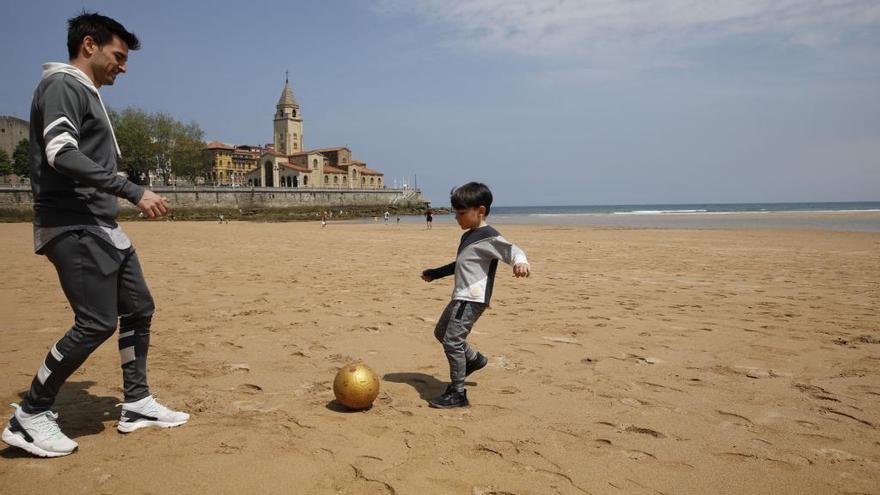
x,y
153,205
426,278
521,270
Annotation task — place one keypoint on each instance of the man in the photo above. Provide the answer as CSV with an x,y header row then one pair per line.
x,y
75,186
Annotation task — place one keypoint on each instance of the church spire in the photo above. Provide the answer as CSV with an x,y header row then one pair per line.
x,y
287,99
288,126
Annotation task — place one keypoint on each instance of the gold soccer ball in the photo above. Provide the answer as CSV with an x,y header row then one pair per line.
x,y
356,386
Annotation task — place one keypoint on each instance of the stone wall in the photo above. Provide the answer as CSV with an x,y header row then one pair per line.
x,y
252,198
12,130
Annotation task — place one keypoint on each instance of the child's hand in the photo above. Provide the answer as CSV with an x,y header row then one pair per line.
x,y
521,270
426,278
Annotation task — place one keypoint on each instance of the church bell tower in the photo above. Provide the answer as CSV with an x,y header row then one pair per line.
x,y
288,135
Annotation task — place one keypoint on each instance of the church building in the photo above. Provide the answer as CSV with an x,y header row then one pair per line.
x,y
289,164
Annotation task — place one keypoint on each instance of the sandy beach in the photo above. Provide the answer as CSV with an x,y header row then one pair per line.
x,y
633,361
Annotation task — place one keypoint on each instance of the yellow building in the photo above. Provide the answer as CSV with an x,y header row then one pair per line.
x,y
229,164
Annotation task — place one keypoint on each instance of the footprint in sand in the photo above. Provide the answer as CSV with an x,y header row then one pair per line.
x,y
644,431
505,363
236,367
736,418
250,388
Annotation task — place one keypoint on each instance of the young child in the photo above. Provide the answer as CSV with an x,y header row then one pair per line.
x,y
474,267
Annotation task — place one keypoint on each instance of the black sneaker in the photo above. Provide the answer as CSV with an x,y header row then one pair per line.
x,y
477,364
451,398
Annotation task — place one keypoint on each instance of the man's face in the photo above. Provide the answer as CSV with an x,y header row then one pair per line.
x,y
108,61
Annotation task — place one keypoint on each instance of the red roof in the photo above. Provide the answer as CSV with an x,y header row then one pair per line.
x,y
319,150
217,145
294,166
333,170
369,171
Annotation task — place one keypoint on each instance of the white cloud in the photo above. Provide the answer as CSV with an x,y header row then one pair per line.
x,y
565,28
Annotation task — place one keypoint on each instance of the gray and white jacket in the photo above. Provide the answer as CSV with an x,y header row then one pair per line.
x,y
73,156
475,265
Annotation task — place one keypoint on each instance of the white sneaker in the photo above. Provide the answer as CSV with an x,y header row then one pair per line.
x,y
38,434
147,412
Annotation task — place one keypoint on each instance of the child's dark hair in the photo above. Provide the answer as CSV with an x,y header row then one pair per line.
x,y
471,195
101,28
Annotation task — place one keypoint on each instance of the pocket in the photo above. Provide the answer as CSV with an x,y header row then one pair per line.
x,y
461,307
106,258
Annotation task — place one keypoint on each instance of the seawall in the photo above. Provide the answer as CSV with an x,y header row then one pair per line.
x,y
271,203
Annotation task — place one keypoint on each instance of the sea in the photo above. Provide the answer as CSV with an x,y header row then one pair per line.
x,y
844,216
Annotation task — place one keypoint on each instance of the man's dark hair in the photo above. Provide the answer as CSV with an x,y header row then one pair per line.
x,y
100,28
471,195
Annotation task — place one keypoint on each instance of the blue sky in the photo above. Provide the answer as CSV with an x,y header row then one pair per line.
x,y
549,102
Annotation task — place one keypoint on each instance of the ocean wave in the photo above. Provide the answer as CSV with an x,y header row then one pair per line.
x,y
657,212
582,214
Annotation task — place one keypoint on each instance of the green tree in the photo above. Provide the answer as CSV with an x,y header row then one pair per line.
x,y
21,159
187,158
162,130
158,144
5,163
133,133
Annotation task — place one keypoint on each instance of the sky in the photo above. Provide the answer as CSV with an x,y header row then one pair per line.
x,y
549,102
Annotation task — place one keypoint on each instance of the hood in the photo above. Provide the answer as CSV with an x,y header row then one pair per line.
x,y
52,68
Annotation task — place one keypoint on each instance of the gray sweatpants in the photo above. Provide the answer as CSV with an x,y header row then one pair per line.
x,y
453,328
102,284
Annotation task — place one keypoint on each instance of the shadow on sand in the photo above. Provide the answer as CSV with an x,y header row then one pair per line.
x,y
427,386
335,406
79,413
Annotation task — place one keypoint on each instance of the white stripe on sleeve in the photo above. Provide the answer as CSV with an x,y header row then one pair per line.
x,y
59,120
55,145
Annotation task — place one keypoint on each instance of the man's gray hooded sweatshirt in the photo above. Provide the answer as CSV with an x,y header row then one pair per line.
x,y
74,174
476,263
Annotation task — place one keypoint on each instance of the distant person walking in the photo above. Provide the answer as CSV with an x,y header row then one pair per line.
x,y
75,188
429,219
387,217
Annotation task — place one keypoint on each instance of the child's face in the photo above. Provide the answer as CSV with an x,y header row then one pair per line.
x,y
470,218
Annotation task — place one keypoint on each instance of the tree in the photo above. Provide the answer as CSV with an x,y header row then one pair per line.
x,y
21,159
187,158
162,129
5,163
132,128
158,143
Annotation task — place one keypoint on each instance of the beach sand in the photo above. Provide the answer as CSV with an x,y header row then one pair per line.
x,y
633,361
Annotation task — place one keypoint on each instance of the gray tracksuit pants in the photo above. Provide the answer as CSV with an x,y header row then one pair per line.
x,y
453,328
103,284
